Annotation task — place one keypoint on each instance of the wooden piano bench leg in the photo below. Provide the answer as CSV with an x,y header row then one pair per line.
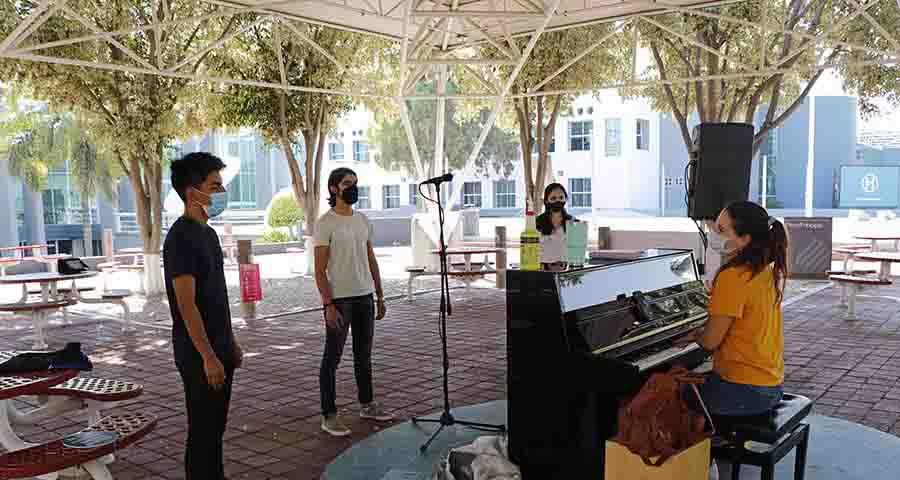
x,y
766,458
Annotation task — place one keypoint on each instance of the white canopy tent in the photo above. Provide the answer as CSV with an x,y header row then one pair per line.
x,y
434,34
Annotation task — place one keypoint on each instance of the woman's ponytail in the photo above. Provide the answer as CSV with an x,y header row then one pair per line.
x,y
768,243
778,249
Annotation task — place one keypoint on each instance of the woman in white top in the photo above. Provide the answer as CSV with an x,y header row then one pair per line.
x,y
552,225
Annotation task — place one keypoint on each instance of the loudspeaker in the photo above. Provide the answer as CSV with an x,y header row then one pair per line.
x,y
720,161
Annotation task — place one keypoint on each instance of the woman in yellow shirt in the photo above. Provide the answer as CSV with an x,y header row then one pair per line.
x,y
744,330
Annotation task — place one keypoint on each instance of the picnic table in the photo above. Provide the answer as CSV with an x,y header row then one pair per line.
x,y
6,262
467,255
52,261
65,392
874,238
467,271
19,252
884,258
51,300
20,385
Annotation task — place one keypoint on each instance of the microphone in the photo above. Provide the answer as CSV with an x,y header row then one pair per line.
x,y
447,177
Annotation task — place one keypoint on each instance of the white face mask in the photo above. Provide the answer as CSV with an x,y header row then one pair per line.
x,y
719,243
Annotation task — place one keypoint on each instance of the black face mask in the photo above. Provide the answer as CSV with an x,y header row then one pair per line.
x,y
555,206
350,194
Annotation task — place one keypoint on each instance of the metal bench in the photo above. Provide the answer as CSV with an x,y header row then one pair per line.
x,y
850,286
777,433
53,457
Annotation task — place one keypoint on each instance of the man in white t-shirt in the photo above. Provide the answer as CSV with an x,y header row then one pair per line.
x,y
347,275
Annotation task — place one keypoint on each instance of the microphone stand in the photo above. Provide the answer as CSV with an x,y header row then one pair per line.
x,y
447,419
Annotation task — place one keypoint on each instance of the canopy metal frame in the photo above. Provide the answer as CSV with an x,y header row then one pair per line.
x,y
434,35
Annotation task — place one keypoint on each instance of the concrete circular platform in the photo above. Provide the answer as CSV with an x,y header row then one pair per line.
x,y
838,450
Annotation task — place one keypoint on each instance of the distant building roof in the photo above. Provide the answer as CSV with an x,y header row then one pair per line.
x,y
880,138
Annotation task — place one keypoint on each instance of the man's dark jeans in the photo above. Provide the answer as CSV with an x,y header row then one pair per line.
x,y
359,314
207,411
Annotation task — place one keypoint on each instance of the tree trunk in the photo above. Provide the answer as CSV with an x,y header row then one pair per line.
x,y
146,182
86,225
536,173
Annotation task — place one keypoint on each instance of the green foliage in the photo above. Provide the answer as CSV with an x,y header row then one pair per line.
x,y
133,115
871,83
39,140
738,99
297,121
276,236
285,212
536,116
498,154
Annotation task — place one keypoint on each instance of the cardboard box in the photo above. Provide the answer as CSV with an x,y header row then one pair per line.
x,y
691,464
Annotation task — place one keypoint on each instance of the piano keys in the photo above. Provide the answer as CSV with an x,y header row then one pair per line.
x,y
582,340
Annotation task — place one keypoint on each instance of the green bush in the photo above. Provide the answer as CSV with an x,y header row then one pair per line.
x,y
285,212
276,236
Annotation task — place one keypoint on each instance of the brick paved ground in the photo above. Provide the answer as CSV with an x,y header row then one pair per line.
x,y
852,369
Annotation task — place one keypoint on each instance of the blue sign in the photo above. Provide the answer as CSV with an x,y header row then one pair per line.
x,y
869,187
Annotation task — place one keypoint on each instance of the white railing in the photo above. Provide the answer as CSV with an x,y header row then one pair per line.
x,y
128,222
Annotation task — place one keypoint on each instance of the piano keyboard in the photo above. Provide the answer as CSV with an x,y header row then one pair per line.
x,y
664,356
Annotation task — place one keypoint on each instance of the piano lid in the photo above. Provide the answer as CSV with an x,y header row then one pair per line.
x,y
657,269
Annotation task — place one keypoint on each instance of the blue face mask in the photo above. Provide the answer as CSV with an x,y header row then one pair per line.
x,y
219,200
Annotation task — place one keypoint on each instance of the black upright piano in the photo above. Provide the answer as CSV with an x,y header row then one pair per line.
x,y
582,340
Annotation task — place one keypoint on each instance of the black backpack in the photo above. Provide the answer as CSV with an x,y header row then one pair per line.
x,y
69,358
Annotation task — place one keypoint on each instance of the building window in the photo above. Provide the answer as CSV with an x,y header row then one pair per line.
x,y
413,193
472,194
61,201
335,151
391,196
580,192
505,194
242,188
613,137
365,200
580,136
642,134
360,151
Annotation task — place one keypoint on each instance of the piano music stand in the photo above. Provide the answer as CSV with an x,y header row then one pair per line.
x,y
447,419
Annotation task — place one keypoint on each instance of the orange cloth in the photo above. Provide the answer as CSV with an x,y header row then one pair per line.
x,y
752,352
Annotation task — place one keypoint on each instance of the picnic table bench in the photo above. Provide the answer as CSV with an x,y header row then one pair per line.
x,y
66,392
38,312
55,456
849,252
851,284
467,271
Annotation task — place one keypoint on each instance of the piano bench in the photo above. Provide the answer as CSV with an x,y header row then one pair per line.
x,y
780,431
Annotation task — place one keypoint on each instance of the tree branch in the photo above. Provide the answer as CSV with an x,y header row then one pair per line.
x,y
87,89
670,96
224,33
681,55
698,91
777,122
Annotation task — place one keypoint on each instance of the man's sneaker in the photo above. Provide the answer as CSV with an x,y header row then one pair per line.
x,y
333,425
375,411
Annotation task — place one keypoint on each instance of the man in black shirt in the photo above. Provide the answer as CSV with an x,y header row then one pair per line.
x,y
206,352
